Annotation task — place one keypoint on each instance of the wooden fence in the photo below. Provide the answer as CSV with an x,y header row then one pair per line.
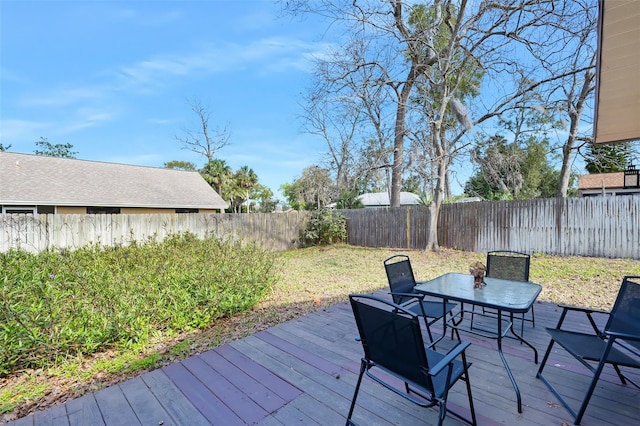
x,y
590,226
39,232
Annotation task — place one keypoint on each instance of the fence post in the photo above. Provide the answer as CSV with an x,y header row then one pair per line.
x,y
409,227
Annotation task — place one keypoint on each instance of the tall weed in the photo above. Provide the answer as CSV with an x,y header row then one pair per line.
x,y
60,303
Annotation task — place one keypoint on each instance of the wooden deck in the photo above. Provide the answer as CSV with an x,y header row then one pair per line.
x,y
304,372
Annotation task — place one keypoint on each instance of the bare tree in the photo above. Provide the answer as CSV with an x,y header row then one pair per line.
x,y
205,141
338,123
433,59
379,38
574,56
347,112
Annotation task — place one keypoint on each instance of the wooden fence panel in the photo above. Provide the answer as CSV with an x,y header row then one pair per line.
x,y
404,227
590,226
35,233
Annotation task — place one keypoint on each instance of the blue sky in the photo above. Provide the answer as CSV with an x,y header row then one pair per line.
x,y
113,79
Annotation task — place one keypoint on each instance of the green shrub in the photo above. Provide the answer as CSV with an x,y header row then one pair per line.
x,y
324,227
60,303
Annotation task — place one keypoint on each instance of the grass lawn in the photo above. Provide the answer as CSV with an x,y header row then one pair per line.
x,y
311,279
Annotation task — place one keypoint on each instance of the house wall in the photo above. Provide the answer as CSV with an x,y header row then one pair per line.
x,y
125,210
71,210
138,210
609,192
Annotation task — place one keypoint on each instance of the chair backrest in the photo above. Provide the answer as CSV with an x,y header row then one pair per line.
x,y
625,314
508,265
391,338
400,276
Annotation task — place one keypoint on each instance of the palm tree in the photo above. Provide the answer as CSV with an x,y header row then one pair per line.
x,y
217,174
246,179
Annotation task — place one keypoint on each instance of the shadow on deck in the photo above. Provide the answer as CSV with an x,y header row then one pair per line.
x,y
304,372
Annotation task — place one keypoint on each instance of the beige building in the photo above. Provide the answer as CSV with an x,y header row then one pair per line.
x,y
620,183
52,185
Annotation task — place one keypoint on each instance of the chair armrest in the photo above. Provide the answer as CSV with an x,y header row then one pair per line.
x,y
623,339
449,357
582,309
413,295
624,336
586,311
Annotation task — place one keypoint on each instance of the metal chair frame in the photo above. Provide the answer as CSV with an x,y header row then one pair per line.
x,y
618,344
392,342
402,281
495,269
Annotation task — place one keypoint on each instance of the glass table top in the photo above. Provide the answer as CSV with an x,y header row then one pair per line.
x,y
508,295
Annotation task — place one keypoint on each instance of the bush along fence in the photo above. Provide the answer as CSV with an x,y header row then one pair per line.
x,y
589,226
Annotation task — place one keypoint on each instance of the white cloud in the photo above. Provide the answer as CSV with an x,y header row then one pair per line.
x,y
13,132
86,118
9,76
62,97
160,121
271,54
146,18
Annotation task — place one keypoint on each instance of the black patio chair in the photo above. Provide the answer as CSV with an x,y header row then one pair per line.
x,y
509,265
402,282
618,344
393,347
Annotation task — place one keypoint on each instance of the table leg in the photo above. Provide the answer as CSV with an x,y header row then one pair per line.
x,y
519,337
504,360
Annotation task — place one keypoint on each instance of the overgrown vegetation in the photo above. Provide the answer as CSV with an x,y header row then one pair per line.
x,y
308,279
58,304
324,227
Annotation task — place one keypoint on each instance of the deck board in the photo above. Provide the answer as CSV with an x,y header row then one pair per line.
x,y
304,371
275,383
84,411
174,402
114,407
213,409
242,381
146,407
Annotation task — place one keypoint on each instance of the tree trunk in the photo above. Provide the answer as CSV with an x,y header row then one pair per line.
x,y
567,149
438,191
565,169
398,140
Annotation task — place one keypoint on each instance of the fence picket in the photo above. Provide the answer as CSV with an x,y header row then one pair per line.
x,y
589,226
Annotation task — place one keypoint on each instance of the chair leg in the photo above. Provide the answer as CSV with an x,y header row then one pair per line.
x,y
426,323
443,412
619,373
544,359
468,383
533,317
592,386
363,367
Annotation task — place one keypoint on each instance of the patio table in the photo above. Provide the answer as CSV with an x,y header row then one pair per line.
x,y
509,296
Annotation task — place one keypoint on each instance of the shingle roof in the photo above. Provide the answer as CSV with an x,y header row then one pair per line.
x,y
601,180
27,179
